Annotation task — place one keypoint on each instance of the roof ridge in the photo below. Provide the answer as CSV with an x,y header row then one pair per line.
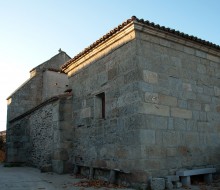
x,y
142,21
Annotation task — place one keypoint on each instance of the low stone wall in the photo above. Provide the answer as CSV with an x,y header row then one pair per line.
x,y
36,137
41,137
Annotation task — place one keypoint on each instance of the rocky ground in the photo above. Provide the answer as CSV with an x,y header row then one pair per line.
x,y
26,178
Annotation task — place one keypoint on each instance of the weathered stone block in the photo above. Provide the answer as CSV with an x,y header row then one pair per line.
x,y
157,184
206,107
171,138
155,122
167,100
151,97
102,78
217,91
172,178
178,185
201,54
204,98
179,124
156,151
182,113
189,50
194,105
112,73
150,77
192,138
131,76
85,112
147,136
61,154
46,168
154,109
203,126
171,152
187,87
58,166
213,58
146,87
169,185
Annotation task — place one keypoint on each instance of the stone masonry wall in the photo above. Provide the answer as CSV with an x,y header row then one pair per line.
x,y
26,97
30,139
17,141
42,136
63,136
162,108
107,142
178,119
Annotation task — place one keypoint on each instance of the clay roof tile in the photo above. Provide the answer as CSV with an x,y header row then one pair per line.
x,y
146,22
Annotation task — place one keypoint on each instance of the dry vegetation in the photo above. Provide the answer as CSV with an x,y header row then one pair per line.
x,y
2,149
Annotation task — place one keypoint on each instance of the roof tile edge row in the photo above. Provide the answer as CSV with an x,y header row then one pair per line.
x,y
146,22
102,39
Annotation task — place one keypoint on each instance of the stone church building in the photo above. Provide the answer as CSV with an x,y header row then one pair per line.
x,y
143,100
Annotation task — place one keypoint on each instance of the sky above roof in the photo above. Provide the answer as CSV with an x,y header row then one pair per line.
x,y
33,31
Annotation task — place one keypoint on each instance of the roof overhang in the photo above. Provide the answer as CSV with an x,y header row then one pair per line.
x,y
132,26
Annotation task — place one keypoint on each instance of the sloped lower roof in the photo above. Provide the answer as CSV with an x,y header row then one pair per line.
x,y
147,23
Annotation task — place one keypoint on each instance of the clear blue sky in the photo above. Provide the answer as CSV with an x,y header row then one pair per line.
x,y
31,32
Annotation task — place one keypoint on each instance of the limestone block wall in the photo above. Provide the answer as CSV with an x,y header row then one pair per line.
x,y
178,119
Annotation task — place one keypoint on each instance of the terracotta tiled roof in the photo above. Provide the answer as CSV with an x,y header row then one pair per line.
x,y
146,22
102,39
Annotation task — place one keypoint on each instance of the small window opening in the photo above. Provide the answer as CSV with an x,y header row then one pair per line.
x,y
100,105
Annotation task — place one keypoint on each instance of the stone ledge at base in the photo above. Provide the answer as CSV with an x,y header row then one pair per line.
x,y
112,172
185,175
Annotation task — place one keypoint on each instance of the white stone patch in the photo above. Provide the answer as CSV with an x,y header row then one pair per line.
x,y
187,87
150,77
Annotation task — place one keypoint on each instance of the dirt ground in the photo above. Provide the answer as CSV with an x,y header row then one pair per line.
x,y
26,178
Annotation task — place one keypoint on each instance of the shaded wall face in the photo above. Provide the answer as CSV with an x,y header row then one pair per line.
x,y
179,115
17,142
30,139
106,141
41,137
26,97
54,83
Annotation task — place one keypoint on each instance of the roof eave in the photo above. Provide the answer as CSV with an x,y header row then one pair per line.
x,y
101,46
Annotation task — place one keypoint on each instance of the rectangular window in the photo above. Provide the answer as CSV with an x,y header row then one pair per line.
x,y
100,106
